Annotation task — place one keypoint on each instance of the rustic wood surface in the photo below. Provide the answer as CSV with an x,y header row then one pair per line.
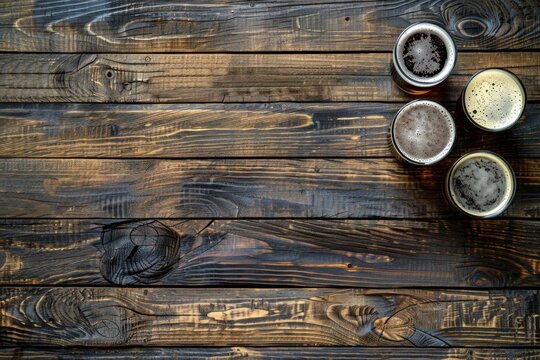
x,y
168,26
354,253
288,353
156,156
221,317
228,130
158,78
238,188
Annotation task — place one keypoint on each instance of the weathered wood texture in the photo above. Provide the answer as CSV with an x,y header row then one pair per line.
x,y
163,26
352,253
86,188
228,130
232,77
288,353
267,317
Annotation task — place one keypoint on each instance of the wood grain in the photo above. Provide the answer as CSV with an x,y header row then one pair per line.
x,y
266,188
352,253
288,353
267,317
189,26
162,78
228,130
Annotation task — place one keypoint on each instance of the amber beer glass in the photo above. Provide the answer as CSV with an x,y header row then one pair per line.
x,y
423,57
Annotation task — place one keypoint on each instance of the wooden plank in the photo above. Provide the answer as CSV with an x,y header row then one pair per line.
x,y
266,188
227,130
232,77
267,317
287,353
352,253
168,26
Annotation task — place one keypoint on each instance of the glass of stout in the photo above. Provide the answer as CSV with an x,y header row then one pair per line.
x,y
424,56
493,100
480,184
422,133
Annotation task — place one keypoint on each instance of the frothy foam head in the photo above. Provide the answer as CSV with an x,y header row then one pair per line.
x,y
494,99
423,132
424,54
481,184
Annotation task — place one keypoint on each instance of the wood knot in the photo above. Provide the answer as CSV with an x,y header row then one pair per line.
x,y
78,316
138,252
471,27
488,274
355,318
470,21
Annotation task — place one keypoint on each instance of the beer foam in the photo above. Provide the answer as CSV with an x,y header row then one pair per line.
x,y
494,99
481,184
423,131
424,54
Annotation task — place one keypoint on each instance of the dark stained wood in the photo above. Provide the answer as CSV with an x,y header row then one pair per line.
x,y
138,212
289,353
353,253
267,317
227,130
86,188
168,26
232,77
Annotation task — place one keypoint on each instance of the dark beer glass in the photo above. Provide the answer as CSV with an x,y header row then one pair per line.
x,y
423,57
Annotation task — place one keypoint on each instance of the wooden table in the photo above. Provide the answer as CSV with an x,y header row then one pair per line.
x,y
191,180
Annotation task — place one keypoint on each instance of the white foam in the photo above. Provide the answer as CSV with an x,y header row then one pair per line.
x,y
494,99
423,131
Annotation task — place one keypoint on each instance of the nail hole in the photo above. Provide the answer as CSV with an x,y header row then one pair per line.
x,y
347,18
109,74
349,265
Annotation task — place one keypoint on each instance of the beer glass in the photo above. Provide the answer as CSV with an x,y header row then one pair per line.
x,y
493,100
422,133
480,184
424,56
